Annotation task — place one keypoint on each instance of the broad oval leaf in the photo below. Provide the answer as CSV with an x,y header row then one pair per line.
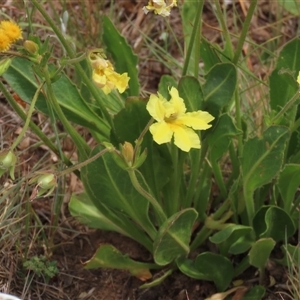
x,y
110,189
283,85
208,266
260,252
233,236
255,293
288,184
274,222
165,84
262,157
190,90
220,136
219,87
108,256
21,78
123,56
174,236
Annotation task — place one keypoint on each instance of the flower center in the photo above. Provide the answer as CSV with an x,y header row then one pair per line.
x,y
171,118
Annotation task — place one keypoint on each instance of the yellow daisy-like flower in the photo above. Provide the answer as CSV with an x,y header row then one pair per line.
x,y
12,30
106,78
298,78
172,119
160,7
5,41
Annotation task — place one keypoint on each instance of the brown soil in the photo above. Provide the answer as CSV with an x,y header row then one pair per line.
x,y
72,248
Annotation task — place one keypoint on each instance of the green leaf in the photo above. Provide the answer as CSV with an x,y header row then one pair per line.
x,y
157,280
123,56
128,125
108,256
174,236
233,236
255,293
283,85
208,54
190,90
292,6
165,84
103,218
82,208
220,136
274,222
260,252
188,14
21,78
288,184
111,191
208,266
263,157
219,87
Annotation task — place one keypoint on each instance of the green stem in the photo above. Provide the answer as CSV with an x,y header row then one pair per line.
x,y
195,169
175,37
235,59
84,163
242,266
29,114
245,31
205,232
219,178
158,209
285,108
33,126
194,190
226,34
92,88
195,30
77,139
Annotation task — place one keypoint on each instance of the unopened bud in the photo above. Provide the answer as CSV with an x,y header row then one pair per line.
x,y
7,162
127,152
31,46
46,183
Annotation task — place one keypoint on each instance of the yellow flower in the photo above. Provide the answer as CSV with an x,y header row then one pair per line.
x,y
298,78
5,41
105,76
160,7
172,119
12,30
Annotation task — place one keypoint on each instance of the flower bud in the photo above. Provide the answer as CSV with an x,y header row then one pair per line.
x,y
7,162
46,183
127,152
31,47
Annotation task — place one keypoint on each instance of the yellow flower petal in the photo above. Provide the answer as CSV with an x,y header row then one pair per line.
x,y
161,132
298,78
185,138
176,102
99,79
104,75
197,120
160,7
5,42
119,81
156,107
12,30
173,120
